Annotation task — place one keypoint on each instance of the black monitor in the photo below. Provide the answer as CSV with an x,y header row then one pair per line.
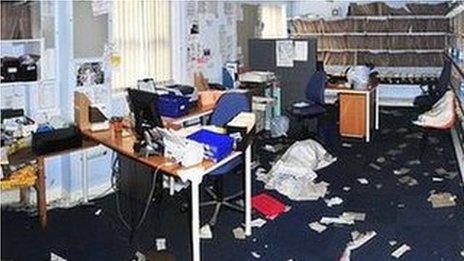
x,y
143,105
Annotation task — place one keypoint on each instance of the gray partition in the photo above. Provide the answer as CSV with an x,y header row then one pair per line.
x,y
262,56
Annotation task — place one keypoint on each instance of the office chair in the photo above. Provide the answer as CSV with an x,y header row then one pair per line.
x,y
228,106
314,98
435,90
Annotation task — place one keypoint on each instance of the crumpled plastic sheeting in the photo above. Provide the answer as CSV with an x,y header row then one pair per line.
x,y
442,114
294,173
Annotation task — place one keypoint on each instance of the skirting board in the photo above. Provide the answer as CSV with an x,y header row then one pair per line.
x,y
459,151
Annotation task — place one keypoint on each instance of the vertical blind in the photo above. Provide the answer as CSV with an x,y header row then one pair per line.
x,y
142,34
274,21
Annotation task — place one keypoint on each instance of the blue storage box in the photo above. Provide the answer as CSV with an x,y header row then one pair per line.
x,y
217,146
173,106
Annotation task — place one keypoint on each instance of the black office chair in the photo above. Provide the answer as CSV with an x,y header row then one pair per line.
x,y
435,89
314,99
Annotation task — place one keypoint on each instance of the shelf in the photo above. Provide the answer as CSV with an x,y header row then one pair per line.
x,y
376,51
376,34
21,41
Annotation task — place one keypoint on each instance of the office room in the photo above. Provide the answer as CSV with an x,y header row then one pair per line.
x,y
232,130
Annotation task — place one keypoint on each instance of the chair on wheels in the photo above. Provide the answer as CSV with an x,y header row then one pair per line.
x,y
435,90
313,106
228,106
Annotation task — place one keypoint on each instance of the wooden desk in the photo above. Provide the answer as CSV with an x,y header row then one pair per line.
x,y
194,113
124,146
26,155
359,111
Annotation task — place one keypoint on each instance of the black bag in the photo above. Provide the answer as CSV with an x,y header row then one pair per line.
x,y
56,140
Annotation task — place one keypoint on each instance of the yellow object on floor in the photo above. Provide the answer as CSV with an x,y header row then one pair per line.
x,y
24,177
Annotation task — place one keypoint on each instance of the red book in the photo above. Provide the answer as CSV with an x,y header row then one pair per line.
x,y
268,205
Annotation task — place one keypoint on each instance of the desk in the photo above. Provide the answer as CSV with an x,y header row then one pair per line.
x,y
359,111
26,155
124,146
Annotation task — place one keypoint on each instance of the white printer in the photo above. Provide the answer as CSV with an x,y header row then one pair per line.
x,y
256,76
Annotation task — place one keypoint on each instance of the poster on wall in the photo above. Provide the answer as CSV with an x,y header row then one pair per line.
x,y
285,53
90,74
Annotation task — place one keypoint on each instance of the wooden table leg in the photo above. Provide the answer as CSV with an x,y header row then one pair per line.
x,y
41,195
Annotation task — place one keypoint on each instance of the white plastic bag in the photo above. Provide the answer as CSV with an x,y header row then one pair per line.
x,y
442,115
359,77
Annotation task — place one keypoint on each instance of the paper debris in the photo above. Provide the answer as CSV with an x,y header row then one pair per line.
x,y
161,244
441,171
375,166
363,181
408,180
378,186
255,255
259,222
401,130
205,232
392,242
266,246
416,135
401,171
55,257
401,205
239,233
381,160
273,148
355,216
400,251
394,152
98,212
462,253
254,239
402,145
442,200
433,140
451,175
346,188
414,162
333,201
359,239
140,256
316,226
426,174
435,179
336,220
254,164
347,145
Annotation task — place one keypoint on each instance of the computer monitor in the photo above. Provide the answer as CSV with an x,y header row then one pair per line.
x,y
143,105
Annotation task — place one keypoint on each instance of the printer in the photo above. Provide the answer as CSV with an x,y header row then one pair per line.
x,y
256,76
179,90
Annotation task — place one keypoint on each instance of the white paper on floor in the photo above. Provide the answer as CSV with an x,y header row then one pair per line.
x,y
55,257
375,166
392,242
363,181
98,212
294,173
400,251
318,227
259,222
442,200
160,244
333,201
255,254
358,239
356,216
346,188
401,171
239,233
140,256
341,220
205,232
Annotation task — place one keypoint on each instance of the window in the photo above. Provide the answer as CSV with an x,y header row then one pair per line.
x,y
142,34
273,19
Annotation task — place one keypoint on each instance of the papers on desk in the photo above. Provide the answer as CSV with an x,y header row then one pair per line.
x,y
301,105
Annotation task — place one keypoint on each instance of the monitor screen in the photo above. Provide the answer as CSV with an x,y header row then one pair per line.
x,y
143,105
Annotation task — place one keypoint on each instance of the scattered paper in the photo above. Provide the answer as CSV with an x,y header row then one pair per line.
x,y
55,257
259,222
394,152
392,242
161,244
346,188
401,130
378,186
333,201
408,180
381,160
414,162
254,164
336,220
402,146
401,205
205,232
255,255
98,212
358,239
401,171
318,227
442,200
400,251
441,171
375,166
363,181
435,179
140,256
347,145
355,216
239,233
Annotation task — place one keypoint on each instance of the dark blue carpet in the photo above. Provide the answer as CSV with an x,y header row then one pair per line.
x,y
395,211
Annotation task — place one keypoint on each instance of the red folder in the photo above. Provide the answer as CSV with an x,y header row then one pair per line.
x,y
268,205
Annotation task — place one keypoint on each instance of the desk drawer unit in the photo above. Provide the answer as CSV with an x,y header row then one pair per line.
x,y
352,115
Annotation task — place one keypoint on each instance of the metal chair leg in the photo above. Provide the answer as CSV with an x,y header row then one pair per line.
x,y
425,137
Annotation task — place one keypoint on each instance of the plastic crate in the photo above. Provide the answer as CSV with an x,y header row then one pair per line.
x,y
217,146
172,105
